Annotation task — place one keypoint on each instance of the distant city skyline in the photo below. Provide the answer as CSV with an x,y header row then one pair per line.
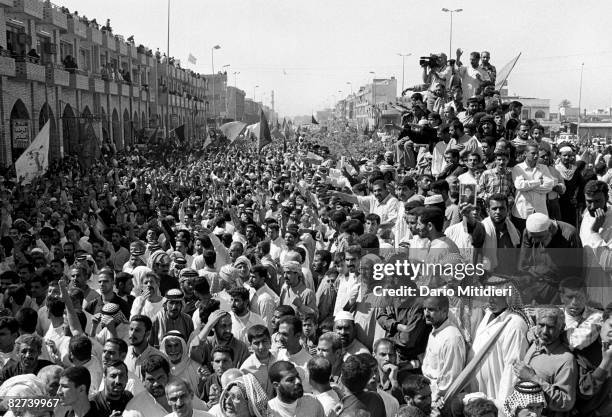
x,y
307,51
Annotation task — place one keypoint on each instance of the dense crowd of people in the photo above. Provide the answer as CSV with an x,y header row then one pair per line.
x,y
239,282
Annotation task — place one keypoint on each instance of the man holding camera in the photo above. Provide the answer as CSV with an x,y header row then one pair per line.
x,y
471,76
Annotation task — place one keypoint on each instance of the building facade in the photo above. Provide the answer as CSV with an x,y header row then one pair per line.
x,y
92,85
364,108
235,103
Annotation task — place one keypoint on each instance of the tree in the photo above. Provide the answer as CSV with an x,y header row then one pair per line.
x,y
565,103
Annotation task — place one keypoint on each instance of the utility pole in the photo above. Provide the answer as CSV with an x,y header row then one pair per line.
x,y
580,102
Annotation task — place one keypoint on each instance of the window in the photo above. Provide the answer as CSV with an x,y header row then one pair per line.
x,y
540,114
66,49
14,40
85,58
525,114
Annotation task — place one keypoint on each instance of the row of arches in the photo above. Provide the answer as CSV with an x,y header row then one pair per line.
x,y
79,136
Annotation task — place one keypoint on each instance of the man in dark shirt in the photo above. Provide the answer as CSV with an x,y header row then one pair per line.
x,y
356,372
74,386
222,357
28,348
114,397
106,280
550,252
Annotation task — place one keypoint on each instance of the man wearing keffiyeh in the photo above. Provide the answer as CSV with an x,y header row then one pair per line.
x,y
527,396
171,317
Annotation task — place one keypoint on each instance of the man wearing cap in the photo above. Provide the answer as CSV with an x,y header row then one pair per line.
x,y
551,251
294,292
186,277
344,325
532,181
171,317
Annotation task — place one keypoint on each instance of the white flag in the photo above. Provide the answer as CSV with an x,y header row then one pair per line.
x,y
502,74
192,59
35,160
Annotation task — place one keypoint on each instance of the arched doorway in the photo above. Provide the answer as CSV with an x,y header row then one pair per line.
x,y
117,130
105,126
54,141
20,129
70,130
540,114
137,131
88,143
127,128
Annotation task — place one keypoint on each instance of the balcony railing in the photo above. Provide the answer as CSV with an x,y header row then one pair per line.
x,y
77,27
7,64
112,87
57,75
54,16
97,84
29,68
125,89
136,91
79,79
108,41
121,45
94,35
34,9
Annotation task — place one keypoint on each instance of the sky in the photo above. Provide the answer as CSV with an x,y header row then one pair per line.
x,y
307,51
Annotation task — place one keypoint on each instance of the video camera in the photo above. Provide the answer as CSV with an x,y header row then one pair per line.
x,y
423,135
432,61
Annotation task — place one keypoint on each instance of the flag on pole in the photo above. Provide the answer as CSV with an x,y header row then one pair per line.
x,y
192,59
502,75
232,130
35,160
264,138
314,121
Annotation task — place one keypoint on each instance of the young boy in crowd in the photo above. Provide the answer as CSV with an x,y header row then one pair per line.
x,y
262,358
310,337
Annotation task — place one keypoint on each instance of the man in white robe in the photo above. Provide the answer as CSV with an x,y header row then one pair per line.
x,y
494,375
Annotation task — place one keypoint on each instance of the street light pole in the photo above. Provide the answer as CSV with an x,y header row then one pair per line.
x,y
450,43
212,62
403,67
351,84
580,103
235,73
254,93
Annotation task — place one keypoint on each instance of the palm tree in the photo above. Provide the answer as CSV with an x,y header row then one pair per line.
x,y
565,103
